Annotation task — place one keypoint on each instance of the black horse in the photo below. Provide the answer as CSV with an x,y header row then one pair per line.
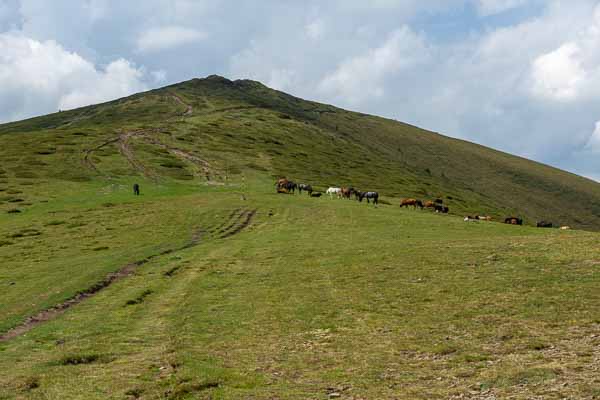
x,y
303,186
513,221
290,186
544,224
136,189
368,195
441,209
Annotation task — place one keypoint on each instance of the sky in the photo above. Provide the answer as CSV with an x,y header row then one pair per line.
x,y
522,76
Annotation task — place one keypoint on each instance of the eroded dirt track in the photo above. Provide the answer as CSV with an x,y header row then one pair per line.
x,y
234,223
122,141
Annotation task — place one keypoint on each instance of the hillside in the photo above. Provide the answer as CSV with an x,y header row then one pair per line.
x,y
209,285
215,129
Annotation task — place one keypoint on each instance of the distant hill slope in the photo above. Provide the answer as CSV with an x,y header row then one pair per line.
x,y
216,129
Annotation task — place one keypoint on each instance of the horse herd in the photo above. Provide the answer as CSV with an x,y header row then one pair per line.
x,y
437,205
286,186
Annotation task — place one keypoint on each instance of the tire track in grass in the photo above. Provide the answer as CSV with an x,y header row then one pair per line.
x,y
241,222
59,309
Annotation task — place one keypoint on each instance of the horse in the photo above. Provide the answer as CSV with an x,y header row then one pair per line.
x,y
303,186
565,228
291,186
316,194
334,191
441,209
369,195
543,224
429,204
136,189
411,202
438,201
281,182
347,192
484,217
513,221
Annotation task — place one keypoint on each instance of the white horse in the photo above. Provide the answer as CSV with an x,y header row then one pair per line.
x,y
334,191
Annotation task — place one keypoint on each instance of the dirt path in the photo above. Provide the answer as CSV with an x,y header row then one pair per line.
x,y
59,309
87,153
237,221
126,151
184,155
123,142
189,109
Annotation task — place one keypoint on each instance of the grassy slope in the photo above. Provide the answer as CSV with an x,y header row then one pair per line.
x,y
316,295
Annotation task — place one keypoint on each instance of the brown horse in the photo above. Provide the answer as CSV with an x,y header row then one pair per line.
x,y
429,204
411,202
347,192
281,182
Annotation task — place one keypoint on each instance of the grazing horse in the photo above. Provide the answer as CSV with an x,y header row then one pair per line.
x,y
283,183
429,204
347,192
369,195
334,191
136,189
412,202
544,224
513,221
484,217
291,186
441,209
303,186
316,194
564,228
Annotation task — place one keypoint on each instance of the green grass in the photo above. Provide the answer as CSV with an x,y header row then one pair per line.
x,y
314,296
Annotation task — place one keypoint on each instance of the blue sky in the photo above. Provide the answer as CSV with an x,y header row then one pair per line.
x,y
521,76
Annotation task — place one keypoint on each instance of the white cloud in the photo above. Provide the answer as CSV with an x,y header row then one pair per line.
x,y
571,71
559,74
167,37
360,78
119,79
41,77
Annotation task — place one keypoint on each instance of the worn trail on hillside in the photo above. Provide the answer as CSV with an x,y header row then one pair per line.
x,y
122,142
236,222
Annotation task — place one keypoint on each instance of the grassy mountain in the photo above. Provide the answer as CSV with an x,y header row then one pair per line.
x,y
209,285
215,129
